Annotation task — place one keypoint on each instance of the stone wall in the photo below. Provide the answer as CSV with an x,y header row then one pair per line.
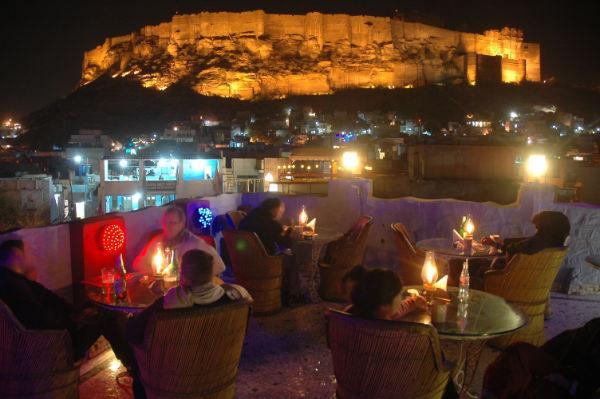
x,y
274,55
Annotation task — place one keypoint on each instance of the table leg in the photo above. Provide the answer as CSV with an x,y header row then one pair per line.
x,y
468,362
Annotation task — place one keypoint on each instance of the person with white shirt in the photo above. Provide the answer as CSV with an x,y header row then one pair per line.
x,y
178,238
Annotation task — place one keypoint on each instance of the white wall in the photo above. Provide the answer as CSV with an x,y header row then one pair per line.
x,y
347,200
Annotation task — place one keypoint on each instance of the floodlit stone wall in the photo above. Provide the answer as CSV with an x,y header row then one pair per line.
x,y
252,54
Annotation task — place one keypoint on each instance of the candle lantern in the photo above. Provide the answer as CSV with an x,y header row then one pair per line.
x,y
303,217
469,227
429,273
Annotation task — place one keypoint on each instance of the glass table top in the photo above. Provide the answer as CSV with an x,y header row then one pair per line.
x,y
445,247
483,316
141,293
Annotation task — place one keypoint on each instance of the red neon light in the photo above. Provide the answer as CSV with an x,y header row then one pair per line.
x,y
112,238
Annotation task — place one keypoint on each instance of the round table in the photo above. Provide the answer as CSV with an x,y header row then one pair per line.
x,y
482,317
142,291
306,258
445,247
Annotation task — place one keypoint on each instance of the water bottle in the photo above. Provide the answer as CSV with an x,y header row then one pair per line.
x,y
463,285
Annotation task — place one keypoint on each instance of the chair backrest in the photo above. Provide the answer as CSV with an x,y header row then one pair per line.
x,y
527,279
194,352
34,362
235,217
249,258
384,359
411,259
349,250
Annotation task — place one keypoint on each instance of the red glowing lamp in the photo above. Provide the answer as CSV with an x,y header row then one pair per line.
x,y
112,238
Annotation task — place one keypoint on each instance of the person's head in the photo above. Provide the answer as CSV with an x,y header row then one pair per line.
x,y
377,295
173,222
196,268
273,206
12,255
552,225
352,278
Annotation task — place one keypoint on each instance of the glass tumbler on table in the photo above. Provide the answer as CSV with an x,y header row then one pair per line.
x,y
108,278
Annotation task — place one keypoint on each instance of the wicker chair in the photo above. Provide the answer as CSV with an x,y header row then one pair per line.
x,y
379,359
193,353
235,217
411,258
255,270
341,256
35,364
525,282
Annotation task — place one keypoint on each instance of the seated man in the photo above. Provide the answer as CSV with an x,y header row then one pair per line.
x,y
552,231
196,288
178,238
564,367
265,222
38,308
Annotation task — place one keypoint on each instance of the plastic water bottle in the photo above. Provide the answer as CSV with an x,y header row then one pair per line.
x,y
463,285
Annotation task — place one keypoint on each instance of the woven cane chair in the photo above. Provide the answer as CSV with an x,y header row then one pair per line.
x,y
380,359
341,256
255,270
193,353
235,218
525,282
411,258
35,364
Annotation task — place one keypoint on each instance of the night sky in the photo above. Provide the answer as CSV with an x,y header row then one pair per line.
x,y
42,42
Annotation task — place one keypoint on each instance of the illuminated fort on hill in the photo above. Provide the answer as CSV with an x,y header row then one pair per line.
x,y
258,55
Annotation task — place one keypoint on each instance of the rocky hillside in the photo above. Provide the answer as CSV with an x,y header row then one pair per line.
x,y
258,55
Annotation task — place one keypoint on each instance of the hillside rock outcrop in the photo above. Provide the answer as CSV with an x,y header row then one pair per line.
x,y
254,54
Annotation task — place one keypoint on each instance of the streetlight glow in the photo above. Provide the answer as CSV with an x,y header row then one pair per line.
x,y
537,165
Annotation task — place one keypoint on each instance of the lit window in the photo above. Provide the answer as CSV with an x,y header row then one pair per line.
x,y
121,170
161,169
199,169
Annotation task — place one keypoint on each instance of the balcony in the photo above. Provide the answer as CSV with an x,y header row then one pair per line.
x,y
286,355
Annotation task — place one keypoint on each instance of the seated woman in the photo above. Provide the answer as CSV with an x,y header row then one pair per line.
x,y
378,295
178,238
265,222
350,280
552,231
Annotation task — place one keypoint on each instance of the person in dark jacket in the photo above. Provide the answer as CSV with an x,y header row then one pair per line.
x,y
564,367
265,222
552,231
38,308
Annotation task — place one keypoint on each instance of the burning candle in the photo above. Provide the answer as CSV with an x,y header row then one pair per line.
x,y
429,273
469,228
158,262
303,217
312,224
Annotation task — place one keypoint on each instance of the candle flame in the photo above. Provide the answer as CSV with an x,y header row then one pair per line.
x,y
429,273
158,261
312,224
303,217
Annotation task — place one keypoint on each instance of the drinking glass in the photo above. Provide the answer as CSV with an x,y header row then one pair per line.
x,y
108,278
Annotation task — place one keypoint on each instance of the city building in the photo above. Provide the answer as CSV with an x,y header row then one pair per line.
x,y
130,184
37,195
